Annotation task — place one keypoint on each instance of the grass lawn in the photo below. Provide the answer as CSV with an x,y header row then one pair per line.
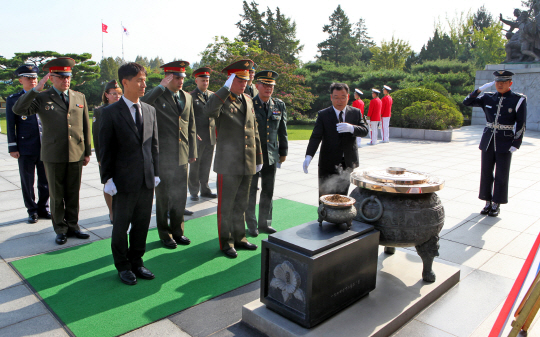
x,y
299,132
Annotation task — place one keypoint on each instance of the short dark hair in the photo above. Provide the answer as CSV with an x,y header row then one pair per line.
x,y
338,86
129,70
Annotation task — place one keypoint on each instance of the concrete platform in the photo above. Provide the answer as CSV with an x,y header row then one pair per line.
x,y
400,295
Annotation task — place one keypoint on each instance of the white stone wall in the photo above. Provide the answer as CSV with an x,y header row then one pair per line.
x,y
526,81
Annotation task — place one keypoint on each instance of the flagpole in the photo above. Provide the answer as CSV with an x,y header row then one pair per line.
x,y
102,55
122,41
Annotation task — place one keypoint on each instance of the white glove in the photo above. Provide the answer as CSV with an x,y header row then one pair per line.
x,y
110,187
230,80
259,167
345,127
306,163
512,149
156,181
358,140
485,86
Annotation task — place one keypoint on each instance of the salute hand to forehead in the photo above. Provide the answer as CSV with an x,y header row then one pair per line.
x,y
166,80
41,84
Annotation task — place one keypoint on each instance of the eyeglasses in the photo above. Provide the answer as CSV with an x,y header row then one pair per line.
x,y
266,85
114,93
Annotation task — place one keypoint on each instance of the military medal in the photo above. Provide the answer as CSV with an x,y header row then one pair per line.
x,y
52,107
79,105
24,118
47,107
163,105
510,110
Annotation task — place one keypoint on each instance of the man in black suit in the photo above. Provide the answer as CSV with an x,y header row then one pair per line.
x,y
129,169
337,127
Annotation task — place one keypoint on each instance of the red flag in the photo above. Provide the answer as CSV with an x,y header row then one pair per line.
x,y
104,28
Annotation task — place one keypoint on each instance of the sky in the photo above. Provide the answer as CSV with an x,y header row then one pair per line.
x,y
183,29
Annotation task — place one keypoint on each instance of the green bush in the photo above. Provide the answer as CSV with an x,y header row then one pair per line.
x,y
406,97
428,115
436,87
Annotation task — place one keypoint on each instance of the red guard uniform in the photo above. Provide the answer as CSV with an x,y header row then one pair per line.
x,y
359,104
374,114
386,113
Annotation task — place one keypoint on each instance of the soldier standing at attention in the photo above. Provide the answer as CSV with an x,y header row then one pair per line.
x,y
271,117
386,112
24,144
111,95
505,112
66,146
359,104
199,170
374,115
177,138
251,89
238,155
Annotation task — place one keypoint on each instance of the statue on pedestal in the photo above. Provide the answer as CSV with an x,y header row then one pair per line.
x,y
524,44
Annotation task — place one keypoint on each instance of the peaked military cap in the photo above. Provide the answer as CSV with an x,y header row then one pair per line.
x,y
61,66
387,88
358,91
266,76
202,72
239,68
111,85
177,68
27,70
376,91
254,67
503,75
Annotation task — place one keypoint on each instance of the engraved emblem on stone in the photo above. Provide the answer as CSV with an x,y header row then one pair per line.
x,y
288,281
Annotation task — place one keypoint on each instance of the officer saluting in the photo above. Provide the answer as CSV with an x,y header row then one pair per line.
x,y
504,110
24,144
238,155
271,117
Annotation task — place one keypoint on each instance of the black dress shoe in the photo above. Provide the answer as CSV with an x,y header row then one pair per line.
x,y
78,234
187,212
209,195
127,277
267,230
253,232
231,252
486,209
33,218
248,245
143,273
61,238
45,215
169,243
194,197
494,211
181,240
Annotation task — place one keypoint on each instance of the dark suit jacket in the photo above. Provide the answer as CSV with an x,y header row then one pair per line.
x,y
125,157
95,130
22,131
336,145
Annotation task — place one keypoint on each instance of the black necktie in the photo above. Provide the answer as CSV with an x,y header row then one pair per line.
x,y
341,116
64,99
265,107
138,119
205,95
178,103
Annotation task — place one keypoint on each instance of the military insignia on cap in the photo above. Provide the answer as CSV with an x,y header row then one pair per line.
x,y
269,74
29,67
246,64
24,118
182,64
501,72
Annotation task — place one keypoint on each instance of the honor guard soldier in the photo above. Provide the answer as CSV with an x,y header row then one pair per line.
x,y
359,104
24,144
271,115
374,115
238,155
251,89
386,113
199,170
177,138
66,146
505,112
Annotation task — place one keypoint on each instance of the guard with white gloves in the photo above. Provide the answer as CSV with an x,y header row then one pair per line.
x,y
506,114
238,155
336,128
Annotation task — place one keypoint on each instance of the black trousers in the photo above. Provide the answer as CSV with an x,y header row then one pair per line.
x,y
268,178
64,186
494,187
233,197
199,170
28,166
335,181
135,209
171,195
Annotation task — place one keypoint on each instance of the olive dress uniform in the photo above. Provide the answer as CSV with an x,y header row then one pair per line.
x,y
251,90
65,143
199,170
238,152
177,138
272,124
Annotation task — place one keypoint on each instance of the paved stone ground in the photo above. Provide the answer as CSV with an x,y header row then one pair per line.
x,y
490,251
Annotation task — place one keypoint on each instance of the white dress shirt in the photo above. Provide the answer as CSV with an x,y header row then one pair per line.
x,y
338,111
131,107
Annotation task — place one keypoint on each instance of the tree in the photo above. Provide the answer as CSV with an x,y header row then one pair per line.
x,y
489,45
390,55
482,18
109,69
340,47
363,41
438,47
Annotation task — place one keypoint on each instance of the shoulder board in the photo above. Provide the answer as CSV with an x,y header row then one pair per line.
x,y
277,100
12,95
520,94
193,92
247,96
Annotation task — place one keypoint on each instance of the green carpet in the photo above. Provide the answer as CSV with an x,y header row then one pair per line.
x,y
81,285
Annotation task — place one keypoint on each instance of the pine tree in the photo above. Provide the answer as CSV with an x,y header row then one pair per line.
x,y
340,47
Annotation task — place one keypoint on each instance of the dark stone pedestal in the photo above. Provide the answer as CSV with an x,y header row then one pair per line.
x,y
309,273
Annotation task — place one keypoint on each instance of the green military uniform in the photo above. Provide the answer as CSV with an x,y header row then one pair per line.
x,y
251,90
272,124
65,142
238,152
199,171
177,139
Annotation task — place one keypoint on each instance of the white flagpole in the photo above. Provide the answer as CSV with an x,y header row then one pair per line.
x,y
102,55
122,41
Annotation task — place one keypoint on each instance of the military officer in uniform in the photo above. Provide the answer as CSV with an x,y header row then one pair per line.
x,y
271,115
199,170
386,113
251,89
374,115
24,144
506,114
66,146
177,138
238,155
